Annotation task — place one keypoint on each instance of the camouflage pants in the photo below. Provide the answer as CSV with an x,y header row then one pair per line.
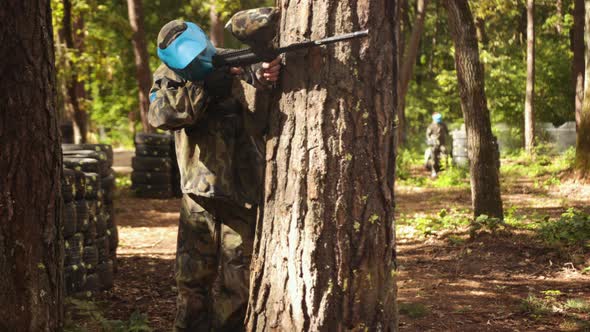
x,y
212,273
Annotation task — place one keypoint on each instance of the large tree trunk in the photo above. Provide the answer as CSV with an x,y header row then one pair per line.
x,y
582,163
529,107
74,92
579,63
324,252
142,61
215,27
485,185
31,252
407,67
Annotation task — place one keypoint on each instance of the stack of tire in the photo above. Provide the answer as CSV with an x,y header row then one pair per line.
x,y
155,172
90,251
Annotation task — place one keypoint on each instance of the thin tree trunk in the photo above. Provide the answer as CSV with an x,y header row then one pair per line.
x,y
408,63
582,163
529,107
31,247
142,61
216,27
559,9
485,184
324,251
579,63
79,115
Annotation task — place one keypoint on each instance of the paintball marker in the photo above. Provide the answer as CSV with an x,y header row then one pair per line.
x,y
246,57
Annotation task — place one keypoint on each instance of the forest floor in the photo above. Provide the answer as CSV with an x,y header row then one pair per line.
x,y
502,278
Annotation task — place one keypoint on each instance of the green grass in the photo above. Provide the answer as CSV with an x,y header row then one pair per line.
x,y
432,225
82,316
413,310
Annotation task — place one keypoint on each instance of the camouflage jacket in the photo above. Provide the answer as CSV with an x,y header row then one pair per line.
x,y
437,134
217,156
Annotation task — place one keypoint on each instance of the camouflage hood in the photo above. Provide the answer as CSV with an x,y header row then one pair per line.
x,y
255,27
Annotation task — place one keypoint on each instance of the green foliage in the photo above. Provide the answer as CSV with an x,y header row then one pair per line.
x,y
405,161
572,228
503,54
452,177
433,225
413,310
89,316
485,223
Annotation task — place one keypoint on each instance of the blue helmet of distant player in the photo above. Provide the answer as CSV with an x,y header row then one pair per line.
x,y
185,48
437,117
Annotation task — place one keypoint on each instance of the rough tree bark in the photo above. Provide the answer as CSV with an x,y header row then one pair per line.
x,y
407,67
485,184
31,248
579,53
215,27
142,61
74,93
582,163
324,253
529,106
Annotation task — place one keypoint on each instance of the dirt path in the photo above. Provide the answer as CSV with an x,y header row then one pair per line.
x,y
443,285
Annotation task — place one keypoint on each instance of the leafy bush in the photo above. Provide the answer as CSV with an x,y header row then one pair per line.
x,y
434,224
572,228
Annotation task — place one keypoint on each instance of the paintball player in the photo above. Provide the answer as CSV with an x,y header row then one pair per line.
x,y
221,166
436,138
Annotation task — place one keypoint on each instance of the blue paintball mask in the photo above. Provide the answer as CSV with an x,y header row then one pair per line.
x,y
437,117
186,49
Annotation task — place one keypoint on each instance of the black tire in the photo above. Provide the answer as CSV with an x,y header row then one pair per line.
x,y
107,183
70,220
99,156
73,249
160,151
101,224
80,185
151,178
93,185
148,191
90,233
105,272
90,257
93,209
153,139
82,215
92,283
68,185
113,235
109,210
74,278
150,164
95,147
102,244
86,165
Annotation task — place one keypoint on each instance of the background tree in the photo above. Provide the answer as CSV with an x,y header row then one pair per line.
x,y
579,53
529,108
582,163
323,256
142,62
74,88
216,28
485,184
407,66
31,248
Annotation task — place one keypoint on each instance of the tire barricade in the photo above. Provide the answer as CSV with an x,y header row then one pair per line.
x,y
155,169
89,227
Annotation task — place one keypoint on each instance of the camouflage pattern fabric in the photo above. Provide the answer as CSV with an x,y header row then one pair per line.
x,y
217,156
213,278
255,27
436,137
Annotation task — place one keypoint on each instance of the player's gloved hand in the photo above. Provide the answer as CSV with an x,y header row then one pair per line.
x,y
219,83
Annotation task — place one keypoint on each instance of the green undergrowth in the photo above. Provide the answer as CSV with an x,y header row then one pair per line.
x,y
123,181
413,310
409,161
550,303
542,163
82,316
